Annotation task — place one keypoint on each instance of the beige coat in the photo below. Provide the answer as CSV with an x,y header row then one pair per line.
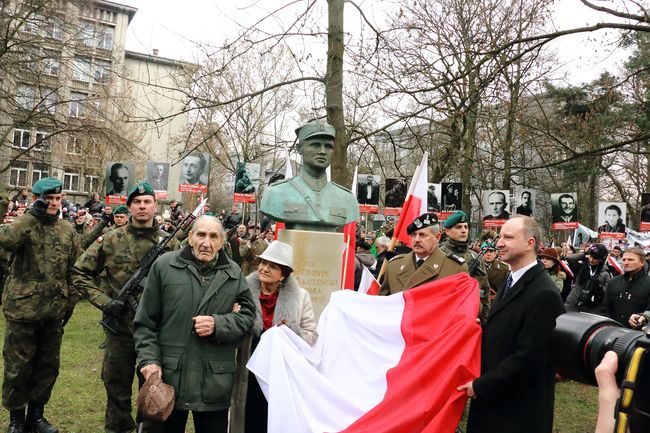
x,y
402,275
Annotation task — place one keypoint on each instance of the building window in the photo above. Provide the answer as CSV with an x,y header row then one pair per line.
x,y
25,96
102,70
73,146
81,70
70,181
91,183
54,29
42,141
51,64
18,174
38,173
77,104
21,138
105,37
87,33
47,101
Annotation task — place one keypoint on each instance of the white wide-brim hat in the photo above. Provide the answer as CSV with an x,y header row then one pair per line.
x,y
279,253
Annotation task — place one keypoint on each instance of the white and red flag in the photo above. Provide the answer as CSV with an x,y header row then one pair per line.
x,y
388,364
614,264
415,203
368,285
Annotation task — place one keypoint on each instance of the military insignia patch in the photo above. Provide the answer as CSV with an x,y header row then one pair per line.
x,y
141,189
417,223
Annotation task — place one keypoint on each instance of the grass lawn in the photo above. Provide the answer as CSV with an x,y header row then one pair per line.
x,y
78,400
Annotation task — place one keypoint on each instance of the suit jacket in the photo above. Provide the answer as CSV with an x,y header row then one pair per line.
x,y
516,389
401,273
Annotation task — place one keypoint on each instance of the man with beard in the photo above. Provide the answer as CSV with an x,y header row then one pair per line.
x,y
457,243
117,255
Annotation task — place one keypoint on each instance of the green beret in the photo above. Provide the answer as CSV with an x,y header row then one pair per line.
x,y
143,188
455,218
490,246
48,185
121,209
315,128
424,220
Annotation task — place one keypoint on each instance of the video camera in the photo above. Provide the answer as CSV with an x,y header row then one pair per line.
x,y
579,342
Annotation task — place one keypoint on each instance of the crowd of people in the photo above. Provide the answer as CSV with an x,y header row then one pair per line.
x,y
224,276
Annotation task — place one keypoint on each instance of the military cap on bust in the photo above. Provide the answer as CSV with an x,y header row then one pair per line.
x,y
457,217
48,185
121,209
314,129
424,220
143,188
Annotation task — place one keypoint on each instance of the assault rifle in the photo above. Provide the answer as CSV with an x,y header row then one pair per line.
x,y
475,264
129,292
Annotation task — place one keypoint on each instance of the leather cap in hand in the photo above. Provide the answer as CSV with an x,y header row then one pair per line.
x,y
155,399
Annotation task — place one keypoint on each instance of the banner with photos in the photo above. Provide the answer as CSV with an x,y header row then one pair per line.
x,y
368,193
195,172
451,199
611,220
495,205
247,182
565,210
157,175
396,189
120,179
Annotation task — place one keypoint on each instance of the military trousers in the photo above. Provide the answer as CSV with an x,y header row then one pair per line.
x,y
118,372
32,354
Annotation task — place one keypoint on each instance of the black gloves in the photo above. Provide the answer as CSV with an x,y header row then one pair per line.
x,y
115,307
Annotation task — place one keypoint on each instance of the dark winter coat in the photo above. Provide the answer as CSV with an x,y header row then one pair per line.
x,y
627,295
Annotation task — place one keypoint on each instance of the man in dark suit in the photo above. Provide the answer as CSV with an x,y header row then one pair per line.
x,y
368,191
515,392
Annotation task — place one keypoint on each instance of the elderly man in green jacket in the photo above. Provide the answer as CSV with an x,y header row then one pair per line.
x,y
185,328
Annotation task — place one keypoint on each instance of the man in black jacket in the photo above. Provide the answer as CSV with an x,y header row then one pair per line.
x,y
592,276
516,389
628,295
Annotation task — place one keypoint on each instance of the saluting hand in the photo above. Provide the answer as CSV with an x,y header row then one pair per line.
x,y
203,325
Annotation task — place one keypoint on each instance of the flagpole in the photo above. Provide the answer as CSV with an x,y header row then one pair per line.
x,y
347,240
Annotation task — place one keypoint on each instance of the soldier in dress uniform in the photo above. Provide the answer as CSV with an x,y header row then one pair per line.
x,y
497,271
425,263
118,253
37,302
457,242
308,201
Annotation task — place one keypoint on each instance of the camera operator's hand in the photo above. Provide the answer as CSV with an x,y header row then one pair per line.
x,y
637,321
608,392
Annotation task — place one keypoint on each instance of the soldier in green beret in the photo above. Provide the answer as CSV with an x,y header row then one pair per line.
x,y
117,255
37,302
457,242
308,201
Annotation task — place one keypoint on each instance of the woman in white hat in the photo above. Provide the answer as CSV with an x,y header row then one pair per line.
x,y
280,301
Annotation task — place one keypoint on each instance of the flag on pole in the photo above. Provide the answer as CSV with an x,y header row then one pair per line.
x,y
368,284
387,364
416,201
350,239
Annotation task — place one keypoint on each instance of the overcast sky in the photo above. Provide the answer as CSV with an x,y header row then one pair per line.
x,y
175,29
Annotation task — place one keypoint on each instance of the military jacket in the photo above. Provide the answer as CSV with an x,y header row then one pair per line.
x,y
296,203
497,272
249,252
117,255
449,246
39,284
401,273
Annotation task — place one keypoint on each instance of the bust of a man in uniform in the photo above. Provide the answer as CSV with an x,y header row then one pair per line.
x,y
308,201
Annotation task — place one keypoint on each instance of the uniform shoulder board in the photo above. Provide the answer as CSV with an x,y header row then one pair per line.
x,y
456,258
396,257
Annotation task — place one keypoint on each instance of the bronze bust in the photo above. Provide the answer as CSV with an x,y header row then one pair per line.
x,y
308,201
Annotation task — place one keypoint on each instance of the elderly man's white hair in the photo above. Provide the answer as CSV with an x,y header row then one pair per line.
x,y
209,218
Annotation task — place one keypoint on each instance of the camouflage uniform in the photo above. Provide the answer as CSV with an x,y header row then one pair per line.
x,y
117,254
461,249
38,297
249,252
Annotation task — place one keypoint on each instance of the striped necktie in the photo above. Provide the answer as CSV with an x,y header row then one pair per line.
x,y
507,286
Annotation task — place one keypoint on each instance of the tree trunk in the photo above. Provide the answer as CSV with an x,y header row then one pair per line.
x,y
334,90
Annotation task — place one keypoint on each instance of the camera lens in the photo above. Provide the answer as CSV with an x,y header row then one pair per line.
x,y
580,341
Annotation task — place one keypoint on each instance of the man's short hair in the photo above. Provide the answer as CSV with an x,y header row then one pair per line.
x,y
531,230
614,208
526,192
497,192
383,241
116,167
566,196
207,218
201,157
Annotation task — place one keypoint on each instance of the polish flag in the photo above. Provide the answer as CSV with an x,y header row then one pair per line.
x,y
614,264
415,203
387,364
350,239
368,284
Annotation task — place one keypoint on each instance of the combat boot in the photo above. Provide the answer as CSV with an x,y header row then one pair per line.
x,y
36,422
17,421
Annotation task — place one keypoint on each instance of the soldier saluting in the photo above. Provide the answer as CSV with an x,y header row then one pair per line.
x,y
37,302
119,253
